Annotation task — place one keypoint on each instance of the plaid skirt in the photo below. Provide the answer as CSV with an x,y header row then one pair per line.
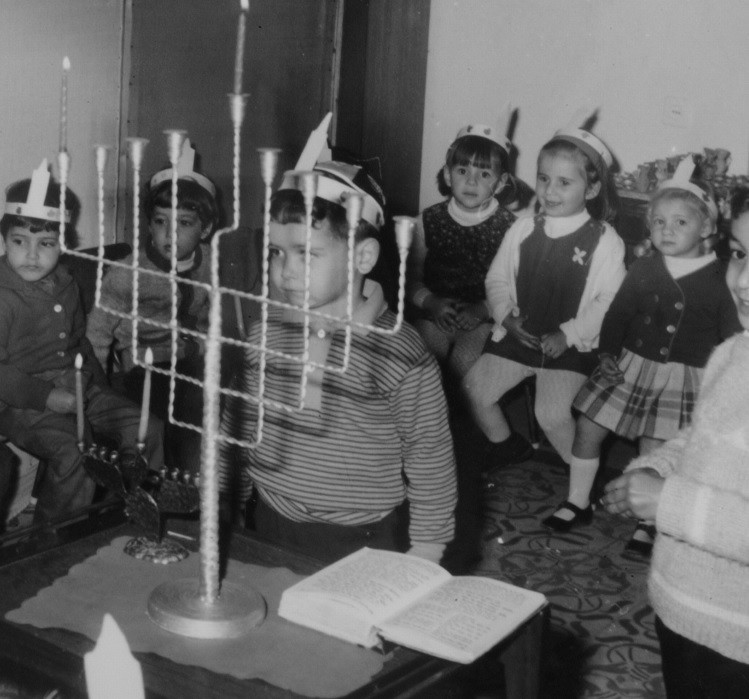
x,y
655,400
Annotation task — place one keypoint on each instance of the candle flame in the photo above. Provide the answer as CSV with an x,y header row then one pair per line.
x,y
66,63
78,360
149,356
245,5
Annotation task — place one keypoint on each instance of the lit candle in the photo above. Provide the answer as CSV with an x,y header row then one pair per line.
x,y
143,426
64,105
79,397
239,58
111,670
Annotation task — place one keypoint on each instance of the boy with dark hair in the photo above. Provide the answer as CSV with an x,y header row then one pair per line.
x,y
42,329
197,216
331,477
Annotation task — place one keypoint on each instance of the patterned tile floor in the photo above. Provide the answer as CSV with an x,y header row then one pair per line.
x,y
601,643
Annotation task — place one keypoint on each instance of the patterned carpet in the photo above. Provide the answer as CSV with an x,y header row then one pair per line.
x,y
601,642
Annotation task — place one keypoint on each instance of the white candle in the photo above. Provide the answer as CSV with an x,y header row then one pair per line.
x,y
79,397
111,670
239,57
143,426
64,105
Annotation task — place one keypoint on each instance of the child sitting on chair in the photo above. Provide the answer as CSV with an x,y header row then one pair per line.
x,y
197,215
331,477
42,329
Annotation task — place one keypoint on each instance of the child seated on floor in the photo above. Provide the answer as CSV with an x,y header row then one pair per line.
x,y
42,329
332,477
197,216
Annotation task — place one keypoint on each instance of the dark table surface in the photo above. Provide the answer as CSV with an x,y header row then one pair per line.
x,y
42,659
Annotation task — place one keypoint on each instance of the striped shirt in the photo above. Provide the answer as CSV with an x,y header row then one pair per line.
x,y
365,440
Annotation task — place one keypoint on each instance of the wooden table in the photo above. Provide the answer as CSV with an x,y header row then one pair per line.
x,y
47,658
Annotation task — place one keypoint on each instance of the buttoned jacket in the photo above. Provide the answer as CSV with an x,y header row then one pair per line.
x,y
670,320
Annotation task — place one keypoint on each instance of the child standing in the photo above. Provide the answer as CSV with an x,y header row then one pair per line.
x,y
549,287
454,244
672,309
332,476
696,489
197,215
42,326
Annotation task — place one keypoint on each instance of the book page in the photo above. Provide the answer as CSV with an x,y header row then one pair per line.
x,y
378,582
463,618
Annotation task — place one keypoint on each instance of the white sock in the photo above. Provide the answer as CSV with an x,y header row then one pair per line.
x,y
582,476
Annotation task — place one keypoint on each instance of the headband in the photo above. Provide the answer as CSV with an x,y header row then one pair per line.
x,y
589,144
185,171
34,206
682,180
487,132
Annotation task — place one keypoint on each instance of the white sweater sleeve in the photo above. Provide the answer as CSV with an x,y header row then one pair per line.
x,y
604,278
501,292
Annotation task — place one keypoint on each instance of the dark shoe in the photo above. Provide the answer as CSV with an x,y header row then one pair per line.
x,y
581,516
513,450
642,540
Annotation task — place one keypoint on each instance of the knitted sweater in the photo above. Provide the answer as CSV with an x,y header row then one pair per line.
x,y
699,575
366,439
108,331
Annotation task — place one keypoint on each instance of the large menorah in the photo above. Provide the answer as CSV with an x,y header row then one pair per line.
x,y
206,607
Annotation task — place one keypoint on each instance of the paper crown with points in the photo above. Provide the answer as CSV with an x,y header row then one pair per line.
x,y
185,171
582,137
488,132
682,179
34,206
336,181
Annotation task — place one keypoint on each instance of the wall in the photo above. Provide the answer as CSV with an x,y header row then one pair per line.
x,y
35,35
624,58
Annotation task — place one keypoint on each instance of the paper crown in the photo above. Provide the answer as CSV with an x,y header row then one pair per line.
x,y
185,171
34,206
682,179
336,181
589,144
487,132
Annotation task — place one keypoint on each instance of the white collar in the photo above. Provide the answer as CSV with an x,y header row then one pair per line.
x,y
680,267
559,226
472,218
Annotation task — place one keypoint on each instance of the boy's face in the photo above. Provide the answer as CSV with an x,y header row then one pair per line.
x,y
328,270
32,256
189,232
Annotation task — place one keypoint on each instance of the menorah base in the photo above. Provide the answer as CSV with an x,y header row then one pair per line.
x,y
177,606
162,552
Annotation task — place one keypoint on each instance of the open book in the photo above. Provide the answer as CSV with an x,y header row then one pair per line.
x,y
372,595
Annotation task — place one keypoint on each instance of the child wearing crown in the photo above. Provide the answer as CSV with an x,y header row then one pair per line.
x,y
42,329
112,336
332,477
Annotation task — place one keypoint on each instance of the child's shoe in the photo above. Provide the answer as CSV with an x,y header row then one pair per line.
x,y
579,516
513,450
643,538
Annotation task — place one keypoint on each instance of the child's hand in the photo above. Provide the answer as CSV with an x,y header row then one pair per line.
x,y
554,344
610,370
61,401
514,326
443,311
634,494
471,315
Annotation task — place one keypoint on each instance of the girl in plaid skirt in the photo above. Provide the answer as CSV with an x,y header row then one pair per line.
x,y
670,312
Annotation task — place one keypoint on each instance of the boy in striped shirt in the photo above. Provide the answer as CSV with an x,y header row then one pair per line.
x,y
333,476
